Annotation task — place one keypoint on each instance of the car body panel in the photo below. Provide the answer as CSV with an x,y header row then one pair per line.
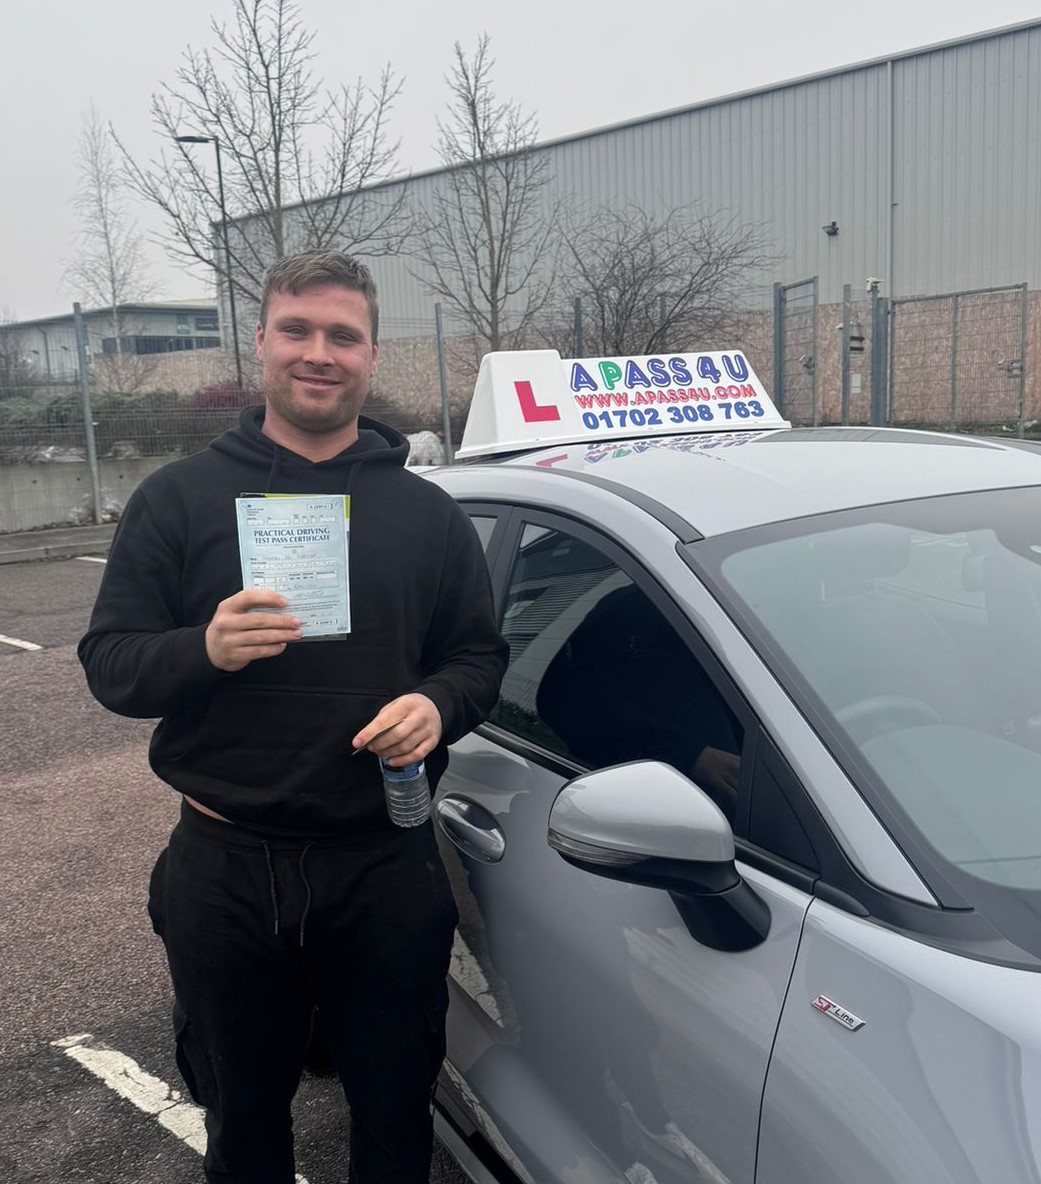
x,y
611,1003
727,482
942,1084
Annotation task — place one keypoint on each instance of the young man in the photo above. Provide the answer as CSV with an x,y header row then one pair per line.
x,y
285,886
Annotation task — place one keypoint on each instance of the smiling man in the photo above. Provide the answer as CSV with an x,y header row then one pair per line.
x,y
285,887
318,350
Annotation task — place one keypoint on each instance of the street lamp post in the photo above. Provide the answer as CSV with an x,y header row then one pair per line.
x,y
227,248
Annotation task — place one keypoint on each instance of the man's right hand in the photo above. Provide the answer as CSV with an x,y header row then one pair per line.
x,y
719,770
236,635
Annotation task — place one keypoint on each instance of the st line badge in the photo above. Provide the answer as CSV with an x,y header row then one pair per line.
x,y
838,1013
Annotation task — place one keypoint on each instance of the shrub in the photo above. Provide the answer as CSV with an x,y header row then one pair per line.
x,y
223,396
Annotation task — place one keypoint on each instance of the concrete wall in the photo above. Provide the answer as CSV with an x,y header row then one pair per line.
x,y
57,493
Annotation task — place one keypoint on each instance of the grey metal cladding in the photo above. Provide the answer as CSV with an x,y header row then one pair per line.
x,y
929,162
947,139
967,166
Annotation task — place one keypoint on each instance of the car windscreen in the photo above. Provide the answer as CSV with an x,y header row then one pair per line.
x,y
913,632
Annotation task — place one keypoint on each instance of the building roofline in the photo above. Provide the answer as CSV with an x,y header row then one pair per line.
x,y
669,113
139,307
800,80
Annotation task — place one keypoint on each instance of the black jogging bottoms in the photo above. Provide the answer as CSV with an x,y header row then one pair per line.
x,y
257,934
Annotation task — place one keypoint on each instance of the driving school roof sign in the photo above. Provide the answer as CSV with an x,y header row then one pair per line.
x,y
534,398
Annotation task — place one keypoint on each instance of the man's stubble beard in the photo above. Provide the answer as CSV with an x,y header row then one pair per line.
x,y
315,419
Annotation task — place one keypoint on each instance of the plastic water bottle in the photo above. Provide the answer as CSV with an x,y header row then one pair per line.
x,y
407,792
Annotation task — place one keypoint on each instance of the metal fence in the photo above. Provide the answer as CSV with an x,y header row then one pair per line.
x,y
958,361
795,360
54,471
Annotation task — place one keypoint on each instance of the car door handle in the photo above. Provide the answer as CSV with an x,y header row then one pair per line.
x,y
471,827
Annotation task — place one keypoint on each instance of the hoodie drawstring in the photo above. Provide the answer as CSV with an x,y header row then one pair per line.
x,y
307,886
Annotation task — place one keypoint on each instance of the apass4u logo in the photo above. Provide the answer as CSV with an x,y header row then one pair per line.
x,y
644,372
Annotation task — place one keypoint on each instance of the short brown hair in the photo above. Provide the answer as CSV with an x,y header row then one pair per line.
x,y
312,269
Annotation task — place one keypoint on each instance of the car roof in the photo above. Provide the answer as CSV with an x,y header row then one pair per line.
x,y
728,481
696,438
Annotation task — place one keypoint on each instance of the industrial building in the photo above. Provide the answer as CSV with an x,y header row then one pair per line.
x,y
921,170
48,345
914,175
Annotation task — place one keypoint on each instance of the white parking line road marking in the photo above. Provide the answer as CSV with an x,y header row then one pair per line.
x,y
22,645
126,1077
92,559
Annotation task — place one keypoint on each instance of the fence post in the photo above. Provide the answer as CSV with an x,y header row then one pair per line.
x,y
879,357
954,364
88,411
778,391
446,415
847,313
1023,345
815,409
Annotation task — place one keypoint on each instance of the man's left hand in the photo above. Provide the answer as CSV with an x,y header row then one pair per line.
x,y
415,732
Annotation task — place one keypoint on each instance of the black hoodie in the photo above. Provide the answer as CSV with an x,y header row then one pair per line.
x,y
269,746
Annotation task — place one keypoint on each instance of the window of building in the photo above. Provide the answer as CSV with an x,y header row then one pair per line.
x,y
156,344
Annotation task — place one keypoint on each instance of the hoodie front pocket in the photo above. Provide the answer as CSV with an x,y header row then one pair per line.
x,y
274,738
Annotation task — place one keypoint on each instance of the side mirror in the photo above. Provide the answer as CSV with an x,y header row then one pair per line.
x,y
645,823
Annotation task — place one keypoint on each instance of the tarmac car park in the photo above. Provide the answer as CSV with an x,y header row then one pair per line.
x,y
748,856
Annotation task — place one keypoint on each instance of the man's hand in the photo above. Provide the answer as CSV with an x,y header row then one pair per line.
x,y
719,770
236,636
411,725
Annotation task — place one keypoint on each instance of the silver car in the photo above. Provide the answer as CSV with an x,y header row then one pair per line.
x,y
748,857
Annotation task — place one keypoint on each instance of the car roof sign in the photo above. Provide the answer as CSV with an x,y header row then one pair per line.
x,y
534,398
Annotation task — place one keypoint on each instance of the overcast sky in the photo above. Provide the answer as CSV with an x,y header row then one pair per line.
x,y
577,65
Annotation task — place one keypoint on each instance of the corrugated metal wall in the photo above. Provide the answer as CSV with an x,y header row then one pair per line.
x,y
790,160
930,164
967,166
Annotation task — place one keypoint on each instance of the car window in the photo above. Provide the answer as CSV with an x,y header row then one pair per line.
x,y
921,644
485,527
599,676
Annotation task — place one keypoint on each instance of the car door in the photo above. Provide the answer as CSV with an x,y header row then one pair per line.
x,y
592,1034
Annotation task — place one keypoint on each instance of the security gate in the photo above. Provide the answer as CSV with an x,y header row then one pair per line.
x,y
959,360
795,351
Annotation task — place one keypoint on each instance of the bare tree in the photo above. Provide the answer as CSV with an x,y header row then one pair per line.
x,y
296,158
487,240
647,283
110,269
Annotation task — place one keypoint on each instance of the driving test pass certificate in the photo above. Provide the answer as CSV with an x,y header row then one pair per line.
x,y
298,545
